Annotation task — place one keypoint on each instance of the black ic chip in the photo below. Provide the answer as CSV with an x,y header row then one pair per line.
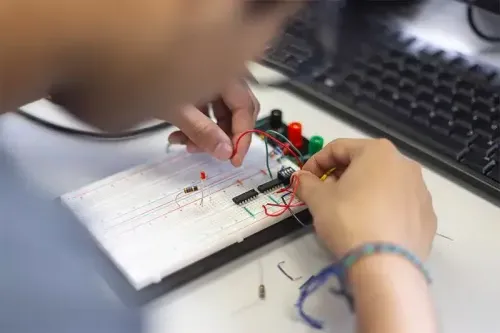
x,y
285,175
272,184
242,198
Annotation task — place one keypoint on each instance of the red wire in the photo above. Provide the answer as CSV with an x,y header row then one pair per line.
x,y
285,148
287,206
272,138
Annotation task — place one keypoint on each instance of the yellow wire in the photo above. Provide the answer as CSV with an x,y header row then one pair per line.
x,y
328,173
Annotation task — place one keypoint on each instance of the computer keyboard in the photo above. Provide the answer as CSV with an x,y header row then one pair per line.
x,y
440,107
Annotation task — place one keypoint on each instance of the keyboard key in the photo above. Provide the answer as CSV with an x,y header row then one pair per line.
x,y
422,119
483,109
392,65
444,90
428,70
412,62
495,173
411,75
292,63
463,99
369,89
390,81
442,125
427,82
444,145
300,52
279,56
445,113
446,77
465,85
375,80
461,117
496,155
463,135
404,106
425,93
480,125
477,162
424,107
484,146
406,86
386,97
494,131
480,93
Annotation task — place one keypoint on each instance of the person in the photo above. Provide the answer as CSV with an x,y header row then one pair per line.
x,y
113,64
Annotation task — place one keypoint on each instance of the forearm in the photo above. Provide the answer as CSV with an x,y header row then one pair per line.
x,y
391,296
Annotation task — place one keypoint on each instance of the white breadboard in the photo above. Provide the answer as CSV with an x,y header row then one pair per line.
x,y
135,216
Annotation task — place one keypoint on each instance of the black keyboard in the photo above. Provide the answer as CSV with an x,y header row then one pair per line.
x,y
440,107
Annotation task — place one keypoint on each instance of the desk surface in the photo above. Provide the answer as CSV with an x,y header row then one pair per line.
x,y
464,269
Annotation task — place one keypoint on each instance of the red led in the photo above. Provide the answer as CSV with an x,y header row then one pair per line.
x,y
295,134
203,175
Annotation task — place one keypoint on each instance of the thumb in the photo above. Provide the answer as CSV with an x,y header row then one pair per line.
x,y
204,133
311,189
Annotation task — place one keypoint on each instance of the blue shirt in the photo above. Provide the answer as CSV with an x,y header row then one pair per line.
x,y
49,276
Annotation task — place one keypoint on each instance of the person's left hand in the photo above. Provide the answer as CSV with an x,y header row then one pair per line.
x,y
235,111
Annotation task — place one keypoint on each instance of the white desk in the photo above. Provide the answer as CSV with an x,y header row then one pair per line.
x,y
465,270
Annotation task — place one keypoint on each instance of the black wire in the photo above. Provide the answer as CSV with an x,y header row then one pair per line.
x,y
475,29
94,135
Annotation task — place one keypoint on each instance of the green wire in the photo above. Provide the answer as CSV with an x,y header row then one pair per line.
x,y
284,138
267,158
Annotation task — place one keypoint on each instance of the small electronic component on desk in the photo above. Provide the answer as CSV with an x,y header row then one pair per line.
x,y
190,189
270,185
262,292
285,175
245,197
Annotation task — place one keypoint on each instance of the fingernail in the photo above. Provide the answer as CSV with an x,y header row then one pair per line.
x,y
223,151
237,162
176,140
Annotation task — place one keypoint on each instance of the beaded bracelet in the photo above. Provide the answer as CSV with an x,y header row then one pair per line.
x,y
339,270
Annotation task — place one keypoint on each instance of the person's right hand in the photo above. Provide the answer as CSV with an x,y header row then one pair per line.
x,y
375,195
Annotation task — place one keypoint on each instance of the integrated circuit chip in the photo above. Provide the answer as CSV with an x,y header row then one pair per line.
x,y
247,196
285,175
270,185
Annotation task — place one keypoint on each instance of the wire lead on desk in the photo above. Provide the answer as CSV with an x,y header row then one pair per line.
x,y
262,288
186,190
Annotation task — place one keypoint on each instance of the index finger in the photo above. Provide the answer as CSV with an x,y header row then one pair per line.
x,y
244,108
337,154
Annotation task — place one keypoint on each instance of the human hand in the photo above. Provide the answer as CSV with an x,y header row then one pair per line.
x,y
235,111
375,195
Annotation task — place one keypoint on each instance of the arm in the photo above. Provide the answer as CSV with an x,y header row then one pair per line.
x,y
375,195
391,295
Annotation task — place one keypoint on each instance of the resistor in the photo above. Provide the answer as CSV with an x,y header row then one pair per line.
x,y
262,292
190,189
